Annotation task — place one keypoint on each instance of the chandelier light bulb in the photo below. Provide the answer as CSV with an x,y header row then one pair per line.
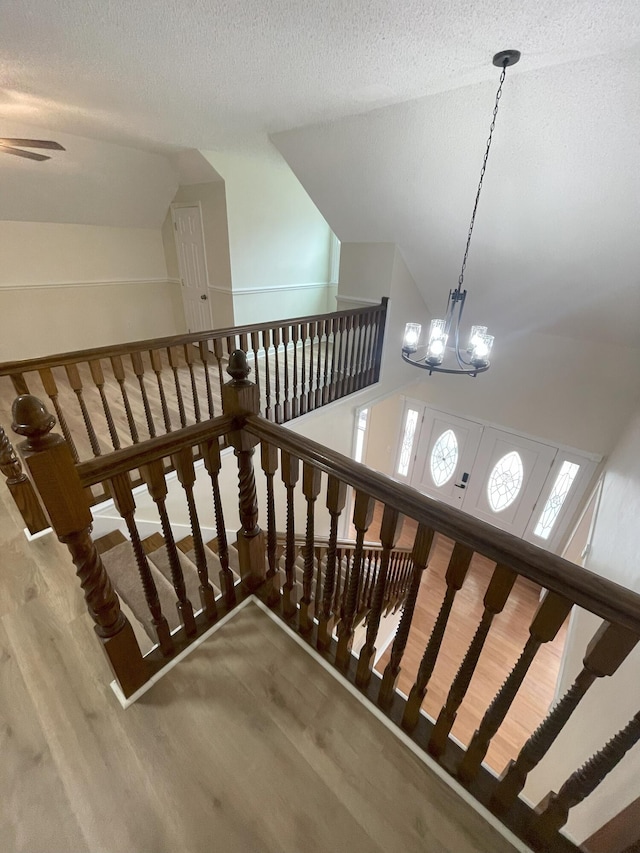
x,y
474,337
437,342
481,350
411,337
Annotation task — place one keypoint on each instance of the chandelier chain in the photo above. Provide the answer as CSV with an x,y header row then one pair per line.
x,y
482,171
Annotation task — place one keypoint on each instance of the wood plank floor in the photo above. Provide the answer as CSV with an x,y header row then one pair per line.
x,y
248,745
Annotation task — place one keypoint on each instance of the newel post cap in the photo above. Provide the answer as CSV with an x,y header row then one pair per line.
x,y
238,368
31,419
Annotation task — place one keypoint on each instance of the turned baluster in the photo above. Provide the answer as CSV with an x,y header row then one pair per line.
x,y
495,599
546,623
609,647
295,402
73,375
119,372
318,394
138,368
419,558
20,487
344,564
189,357
338,381
239,399
367,375
455,576
205,359
266,345
174,364
120,490
389,533
97,374
320,554
287,390
290,473
52,468
336,500
335,326
255,346
19,384
358,345
311,482
156,365
325,380
153,475
210,451
553,811
379,343
310,393
364,586
275,334
374,580
217,352
362,518
182,462
269,459
304,332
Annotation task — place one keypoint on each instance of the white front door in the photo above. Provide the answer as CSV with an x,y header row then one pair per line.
x,y
445,456
189,236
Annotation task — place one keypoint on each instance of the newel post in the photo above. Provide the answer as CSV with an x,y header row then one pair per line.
x,y
240,398
52,468
20,487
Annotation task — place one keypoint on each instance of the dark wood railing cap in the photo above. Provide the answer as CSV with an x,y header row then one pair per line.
x,y
238,368
31,418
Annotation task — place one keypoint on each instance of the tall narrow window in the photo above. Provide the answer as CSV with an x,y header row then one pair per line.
x,y
361,429
407,442
505,481
556,499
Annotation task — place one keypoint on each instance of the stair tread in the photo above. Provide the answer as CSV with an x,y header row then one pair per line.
x,y
213,566
160,559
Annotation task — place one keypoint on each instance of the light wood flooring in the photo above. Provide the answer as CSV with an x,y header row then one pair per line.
x,y
246,746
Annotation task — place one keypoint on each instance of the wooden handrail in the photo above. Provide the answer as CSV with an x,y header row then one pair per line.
x,y
599,595
59,359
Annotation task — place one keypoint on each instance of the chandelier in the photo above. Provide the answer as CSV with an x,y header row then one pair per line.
x,y
474,358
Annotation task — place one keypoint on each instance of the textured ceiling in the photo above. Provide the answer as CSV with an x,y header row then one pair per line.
x,y
198,73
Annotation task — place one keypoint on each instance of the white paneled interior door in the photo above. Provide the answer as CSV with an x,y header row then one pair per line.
x,y
189,236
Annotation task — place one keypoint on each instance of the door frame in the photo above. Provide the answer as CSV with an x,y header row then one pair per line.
x,y
176,205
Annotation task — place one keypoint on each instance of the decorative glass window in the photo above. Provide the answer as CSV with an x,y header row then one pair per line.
x,y
505,481
556,498
444,457
407,442
361,429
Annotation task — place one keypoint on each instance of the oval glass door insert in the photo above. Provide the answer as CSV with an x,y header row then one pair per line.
x,y
505,481
444,457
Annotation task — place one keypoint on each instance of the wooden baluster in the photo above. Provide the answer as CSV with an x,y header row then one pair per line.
x,y
189,357
311,482
320,554
290,473
138,369
318,396
19,384
455,576
210,451
374,579
335,325
389,532
174,363
217,352
120,490
244,342
336,500
362,518
364,586
608,649
183,464
269,459
310,393
205,358
338,608
495,599
268,412
52,468
73,375
419,558
325,382
153,475
156,365
240,398
356,352
304,332
285,331
554,810
379,344
97,375
120,375
51,390
20,487
255,346
350,357
275,334
345,558
374,322
342,344
366,353
295,402
548,619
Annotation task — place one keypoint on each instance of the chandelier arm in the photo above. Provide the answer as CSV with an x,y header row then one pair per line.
x,y
434,368
459,358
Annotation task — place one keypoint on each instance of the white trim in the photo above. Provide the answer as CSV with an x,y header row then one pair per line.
x,y
112,283
308,285
356,300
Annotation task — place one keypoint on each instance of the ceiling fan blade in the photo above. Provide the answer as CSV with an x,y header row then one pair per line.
x,y
28,155
33,143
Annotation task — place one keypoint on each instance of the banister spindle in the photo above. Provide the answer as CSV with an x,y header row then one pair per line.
x,y
390,529
138,368
419,558
275,334
217,352
342,355
20,487
97,374
495,598
546,623
205,358
119,372
358,344
608,649
266,345
156,365
362,518
336,500
456,573
295,402
269,459
290,471
51,390
210,451
52,468
554,809
183,464
325,383
287,390
318,393
311,483
310,394
174,364
255,346
153,475
304,333
335,326
121,492
73,375
189,357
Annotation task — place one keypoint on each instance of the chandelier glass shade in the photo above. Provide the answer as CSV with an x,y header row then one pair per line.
x,y
444,335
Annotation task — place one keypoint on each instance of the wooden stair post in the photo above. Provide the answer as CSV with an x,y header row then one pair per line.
x,y
21,487
51,465
240,397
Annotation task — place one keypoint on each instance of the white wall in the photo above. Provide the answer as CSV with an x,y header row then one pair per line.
x,y
65,287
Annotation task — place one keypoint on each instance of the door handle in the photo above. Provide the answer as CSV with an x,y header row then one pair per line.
x,y
463,484
204,296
